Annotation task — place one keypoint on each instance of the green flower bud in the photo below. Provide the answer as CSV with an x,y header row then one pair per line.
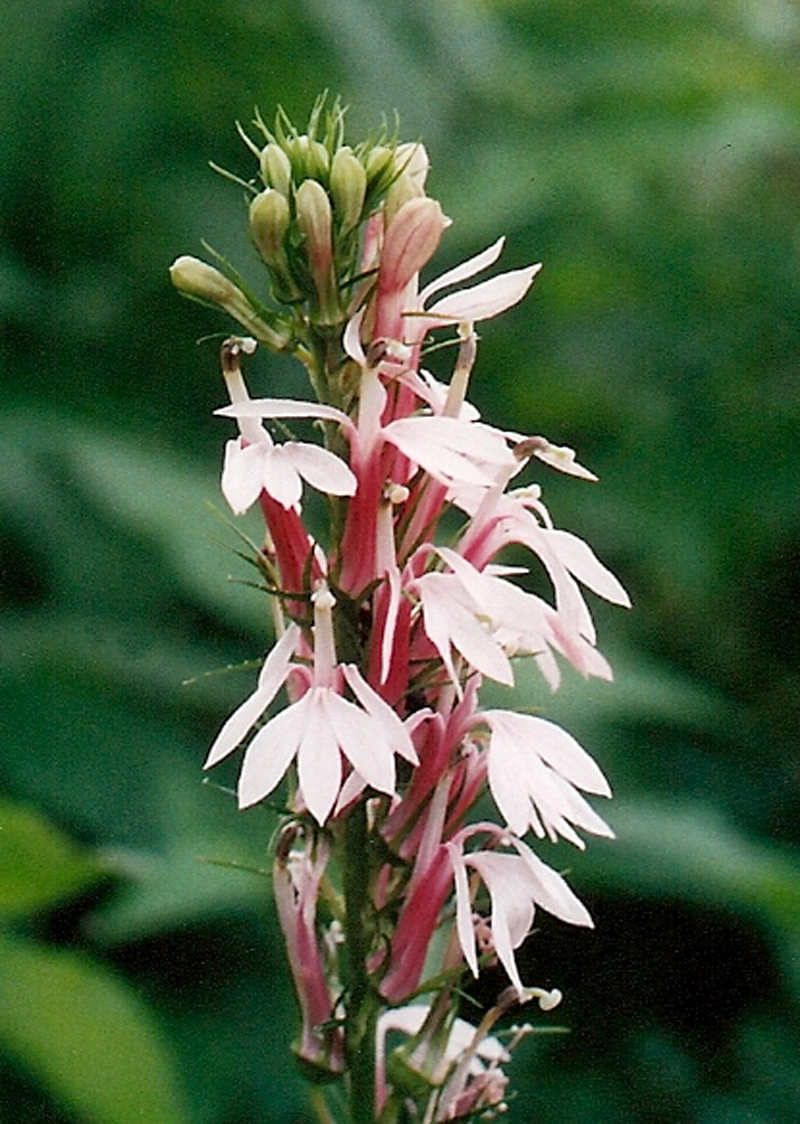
x,y
314,219
380,166
269,222
276,168
194,278
348,188
309,158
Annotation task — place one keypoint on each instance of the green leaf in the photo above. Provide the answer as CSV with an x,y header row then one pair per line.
x,y
86,1037
39,865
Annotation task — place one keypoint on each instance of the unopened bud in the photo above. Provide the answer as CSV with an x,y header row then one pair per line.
x,y
411,239
348,188
309,158
197,279
269,221
276,168
380,166
402,190
412,159
314,219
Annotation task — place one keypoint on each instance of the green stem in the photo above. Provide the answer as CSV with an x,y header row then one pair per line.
x,y
362,1008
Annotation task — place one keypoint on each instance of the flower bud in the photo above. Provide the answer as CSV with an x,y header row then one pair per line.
x,y
309,158
276,168
269,222
194,278
411,239
348,188
314,219
402,190
412,160
380,167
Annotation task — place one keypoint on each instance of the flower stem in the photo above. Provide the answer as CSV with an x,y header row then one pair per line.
x,y
361,1005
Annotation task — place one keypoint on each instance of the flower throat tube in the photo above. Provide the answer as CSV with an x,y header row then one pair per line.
x,y
366,726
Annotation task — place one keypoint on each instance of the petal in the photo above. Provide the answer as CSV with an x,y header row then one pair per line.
x,y
361,741
241,475
280,478
467,269
271,678
551,891
483,301
381,713
269,754
583,563
284,408
319,764
464,926
549,742
321,468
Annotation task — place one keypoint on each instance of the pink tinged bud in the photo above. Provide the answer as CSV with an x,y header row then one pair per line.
x,y
314,218
411,240
348,189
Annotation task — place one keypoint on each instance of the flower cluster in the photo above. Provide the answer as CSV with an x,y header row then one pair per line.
x,y
388,890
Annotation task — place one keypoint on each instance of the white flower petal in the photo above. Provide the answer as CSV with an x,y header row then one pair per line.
x,y
362,743
281,480
319,765
486,300
242,474
271,678
583,563
467,269
551,891
393,730
322,469
270,753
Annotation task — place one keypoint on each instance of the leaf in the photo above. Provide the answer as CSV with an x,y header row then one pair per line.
x,y
86,1037
39,865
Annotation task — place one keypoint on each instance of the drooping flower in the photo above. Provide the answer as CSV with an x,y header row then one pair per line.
x,y
516,883
535,770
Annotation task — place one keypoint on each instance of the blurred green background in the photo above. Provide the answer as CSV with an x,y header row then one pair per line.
x,y
648,151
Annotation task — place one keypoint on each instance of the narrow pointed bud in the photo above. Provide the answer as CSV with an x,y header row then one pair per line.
x,y
196,279
276,168
269,222
314,218
348,188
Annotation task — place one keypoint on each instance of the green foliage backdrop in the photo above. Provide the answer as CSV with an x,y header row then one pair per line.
x,y
648,151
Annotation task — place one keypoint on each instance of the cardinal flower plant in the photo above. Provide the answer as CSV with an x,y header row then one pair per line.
x,y
365,726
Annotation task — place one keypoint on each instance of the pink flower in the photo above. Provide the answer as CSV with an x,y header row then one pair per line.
x,y
535,770
318,730
279,470
296,881
517,883
254,463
